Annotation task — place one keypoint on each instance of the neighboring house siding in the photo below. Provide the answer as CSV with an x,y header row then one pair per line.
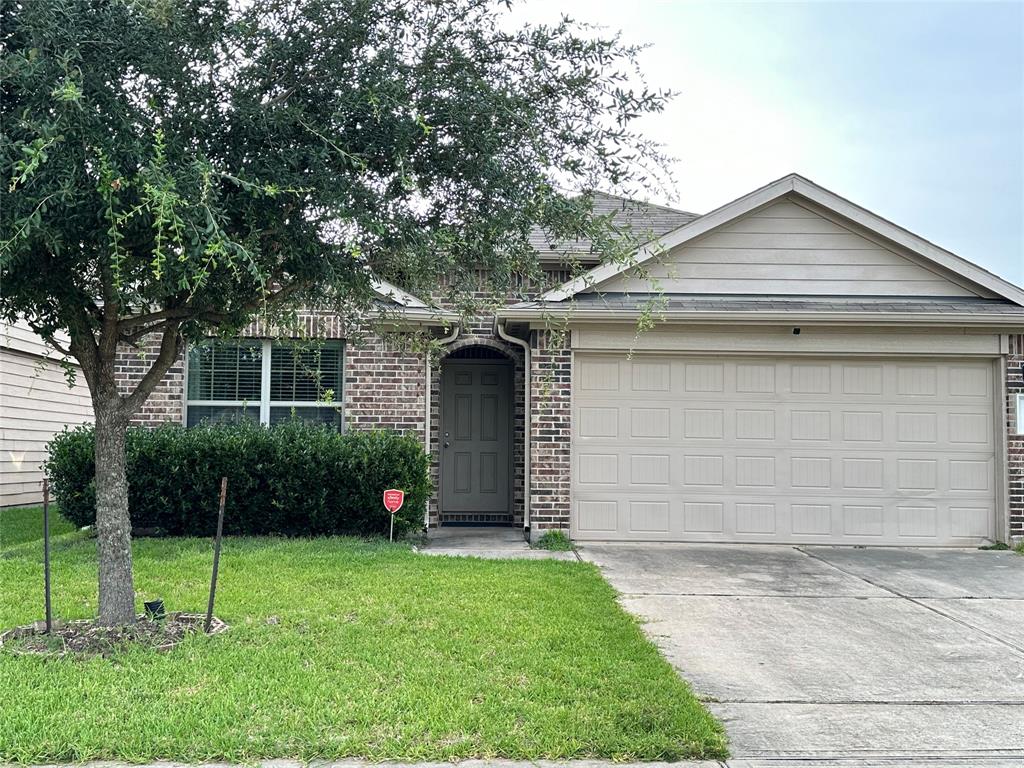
x,y
35,403
1015,439
788,249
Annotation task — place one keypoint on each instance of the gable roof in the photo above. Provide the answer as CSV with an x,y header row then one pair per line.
x,y
391,292
794,184
646,218
398,305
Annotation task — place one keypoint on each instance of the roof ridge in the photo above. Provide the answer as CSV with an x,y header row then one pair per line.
x,y
647,203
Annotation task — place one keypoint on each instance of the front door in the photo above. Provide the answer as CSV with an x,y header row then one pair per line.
x,y
476,441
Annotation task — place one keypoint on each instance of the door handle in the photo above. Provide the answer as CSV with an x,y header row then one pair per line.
x,y
446,443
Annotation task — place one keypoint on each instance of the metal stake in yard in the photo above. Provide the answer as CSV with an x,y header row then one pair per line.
x,y
216,553
46,553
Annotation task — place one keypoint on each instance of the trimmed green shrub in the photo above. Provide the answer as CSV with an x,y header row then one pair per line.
x,y
293,479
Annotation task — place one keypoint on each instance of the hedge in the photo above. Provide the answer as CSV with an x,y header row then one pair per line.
x,y
292,479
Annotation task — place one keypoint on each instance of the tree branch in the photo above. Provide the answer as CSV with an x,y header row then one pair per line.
x,y
48,337
131,338
187,312
169,347
165,314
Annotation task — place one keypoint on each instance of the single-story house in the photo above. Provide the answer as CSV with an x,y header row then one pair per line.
x,y
788,368
36,402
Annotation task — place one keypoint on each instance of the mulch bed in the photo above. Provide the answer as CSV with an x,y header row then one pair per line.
x,y
86,638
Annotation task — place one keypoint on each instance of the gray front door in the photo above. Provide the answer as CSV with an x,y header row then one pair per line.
x,y
476,438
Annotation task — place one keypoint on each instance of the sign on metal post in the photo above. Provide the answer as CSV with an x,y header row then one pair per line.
x,y
393,499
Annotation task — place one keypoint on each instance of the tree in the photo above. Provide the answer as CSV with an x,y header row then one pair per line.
x,y
174,168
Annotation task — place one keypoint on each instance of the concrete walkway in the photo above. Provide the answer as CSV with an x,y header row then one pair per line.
x,y
833,654
491,542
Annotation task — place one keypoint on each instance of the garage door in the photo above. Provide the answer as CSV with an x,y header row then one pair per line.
x,y
783,450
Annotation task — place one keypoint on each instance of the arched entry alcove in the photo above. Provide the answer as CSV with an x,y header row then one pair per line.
x,y
476,436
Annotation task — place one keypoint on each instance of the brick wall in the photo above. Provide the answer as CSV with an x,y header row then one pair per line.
x,y
478,330
384,387
550,429
1015,440
166,403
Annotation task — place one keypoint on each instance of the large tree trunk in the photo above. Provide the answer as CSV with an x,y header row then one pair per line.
x,y
113,526
112,412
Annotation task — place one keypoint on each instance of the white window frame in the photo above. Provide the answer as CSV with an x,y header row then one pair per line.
x,y
1020,413
265,402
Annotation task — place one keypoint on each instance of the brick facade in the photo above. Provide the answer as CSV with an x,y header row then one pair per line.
x,y
550,429
385,388
1014,439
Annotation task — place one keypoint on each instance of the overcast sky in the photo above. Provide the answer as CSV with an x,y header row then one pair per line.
x,y
912,110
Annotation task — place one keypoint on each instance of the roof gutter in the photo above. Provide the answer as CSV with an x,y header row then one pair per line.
x,y
713,317
412,316
499,328
427,381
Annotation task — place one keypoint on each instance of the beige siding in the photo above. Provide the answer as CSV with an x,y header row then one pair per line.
x,y
35,403
788,249
780,339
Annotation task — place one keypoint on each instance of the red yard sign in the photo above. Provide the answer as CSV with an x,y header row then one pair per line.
x,y
393,499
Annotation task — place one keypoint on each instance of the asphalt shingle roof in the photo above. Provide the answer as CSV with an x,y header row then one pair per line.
x,y
642,218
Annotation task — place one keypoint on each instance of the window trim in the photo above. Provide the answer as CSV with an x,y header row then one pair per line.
x,y
1020,413
265,403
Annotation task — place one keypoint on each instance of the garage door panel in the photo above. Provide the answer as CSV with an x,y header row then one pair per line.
x,y
848,520
885,473
853,452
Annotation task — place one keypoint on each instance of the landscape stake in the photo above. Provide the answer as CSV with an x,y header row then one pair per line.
x,y
216,553
46,553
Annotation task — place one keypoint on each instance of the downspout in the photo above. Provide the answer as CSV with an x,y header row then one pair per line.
x,y
527,402
426,408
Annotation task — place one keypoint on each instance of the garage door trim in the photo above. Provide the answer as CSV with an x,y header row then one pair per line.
x,y
994,450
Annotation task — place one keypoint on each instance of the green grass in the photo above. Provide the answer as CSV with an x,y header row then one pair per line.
x,y
556,541
24,524
341,648
1019,549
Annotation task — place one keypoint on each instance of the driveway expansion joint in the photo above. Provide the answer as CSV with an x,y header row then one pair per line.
x,y
764,596
804,655
878,702
916,601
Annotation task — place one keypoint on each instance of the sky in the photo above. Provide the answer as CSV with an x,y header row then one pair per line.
x,y
912,110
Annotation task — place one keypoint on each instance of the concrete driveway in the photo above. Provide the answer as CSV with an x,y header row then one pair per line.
x,y
820,652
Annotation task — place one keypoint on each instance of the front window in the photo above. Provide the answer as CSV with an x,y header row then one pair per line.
x,y
265,381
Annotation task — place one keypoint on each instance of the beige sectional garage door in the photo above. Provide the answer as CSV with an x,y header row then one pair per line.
x,y
802,450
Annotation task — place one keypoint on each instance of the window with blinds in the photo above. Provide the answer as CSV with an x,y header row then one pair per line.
x,y
305,383
266,381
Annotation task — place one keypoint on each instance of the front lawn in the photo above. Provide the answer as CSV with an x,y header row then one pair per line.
x,y
342,648
23,524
